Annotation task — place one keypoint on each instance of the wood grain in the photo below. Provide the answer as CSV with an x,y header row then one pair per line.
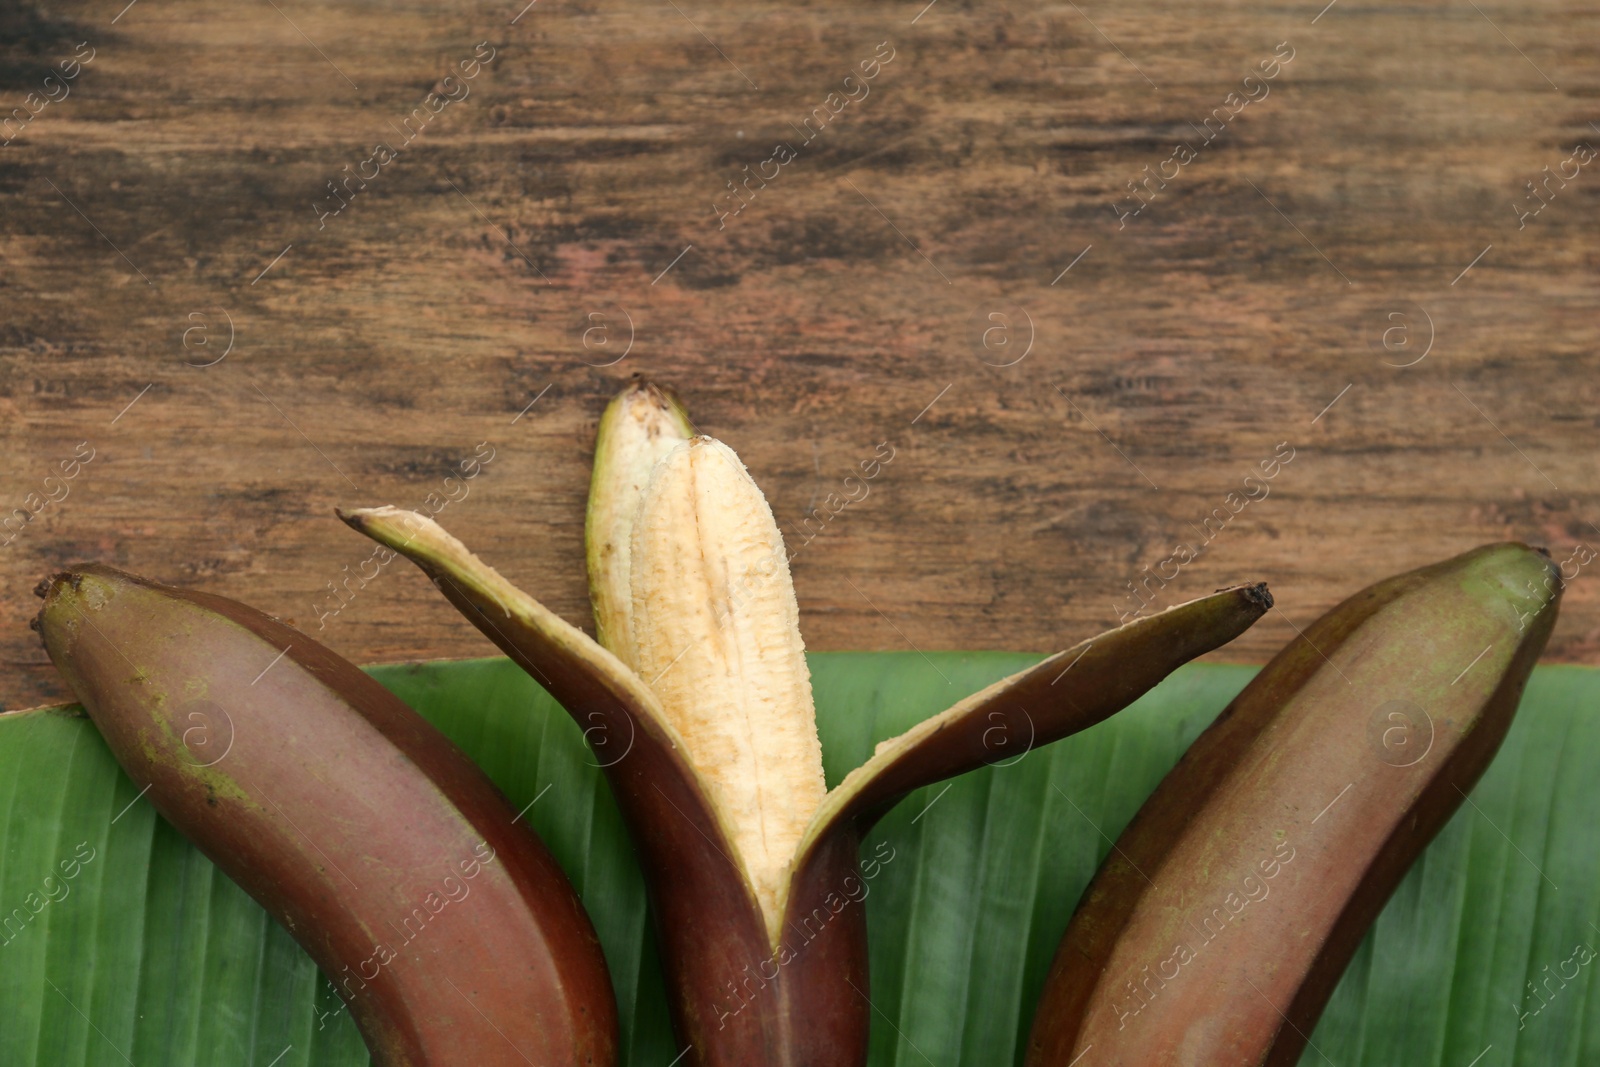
x,y
576,185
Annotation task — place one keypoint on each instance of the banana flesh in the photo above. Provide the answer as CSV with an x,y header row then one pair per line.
x,y
716,636
641,425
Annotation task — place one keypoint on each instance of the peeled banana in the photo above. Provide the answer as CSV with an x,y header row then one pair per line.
x,y
698,699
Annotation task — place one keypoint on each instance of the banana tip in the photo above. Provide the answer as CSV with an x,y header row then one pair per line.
x,y
360,519
49,582
46,590
1258,593
642,394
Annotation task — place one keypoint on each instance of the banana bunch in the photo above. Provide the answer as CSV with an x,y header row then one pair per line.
x,y
1212,936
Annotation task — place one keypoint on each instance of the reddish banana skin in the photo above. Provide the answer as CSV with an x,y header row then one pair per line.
x,y
707,921
347,816
1292,813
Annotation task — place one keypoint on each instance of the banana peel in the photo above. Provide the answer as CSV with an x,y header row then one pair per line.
x,y
697,701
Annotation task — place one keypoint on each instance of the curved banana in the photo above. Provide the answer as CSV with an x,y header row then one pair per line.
x,y
390,857
1220,923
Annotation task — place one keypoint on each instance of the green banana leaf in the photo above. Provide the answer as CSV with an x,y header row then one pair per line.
x,y
120,944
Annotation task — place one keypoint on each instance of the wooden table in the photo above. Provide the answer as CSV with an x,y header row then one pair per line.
x,y
1346,265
